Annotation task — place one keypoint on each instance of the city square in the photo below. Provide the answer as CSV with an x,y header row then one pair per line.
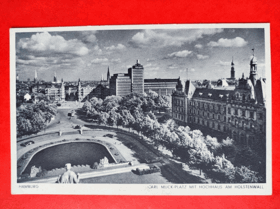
x,y
193,111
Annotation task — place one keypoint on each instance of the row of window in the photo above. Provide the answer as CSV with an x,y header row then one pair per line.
x,y
178,102
178,116
241,112
209,124
242,97
179,109
233,111
208,115
235,122
207,106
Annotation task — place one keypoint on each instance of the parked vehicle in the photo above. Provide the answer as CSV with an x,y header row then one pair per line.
x,y
152,169
24,144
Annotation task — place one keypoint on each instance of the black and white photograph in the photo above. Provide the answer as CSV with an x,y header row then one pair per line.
x,y
141,110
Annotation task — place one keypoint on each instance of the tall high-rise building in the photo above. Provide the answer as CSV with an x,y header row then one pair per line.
x,y
137,78
133,82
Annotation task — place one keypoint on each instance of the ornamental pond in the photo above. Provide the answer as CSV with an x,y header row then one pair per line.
x,y
76,153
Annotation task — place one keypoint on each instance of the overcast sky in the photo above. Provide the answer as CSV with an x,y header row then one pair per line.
x,y
188,53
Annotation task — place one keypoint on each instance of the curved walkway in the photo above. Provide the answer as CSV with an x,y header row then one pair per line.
x,y
128,143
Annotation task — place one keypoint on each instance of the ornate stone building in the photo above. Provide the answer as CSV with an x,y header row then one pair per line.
x,y
239,113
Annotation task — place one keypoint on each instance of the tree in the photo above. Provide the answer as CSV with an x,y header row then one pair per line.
x,y
103,118
158,134
34,117
228,147
128,119
163,103
212,144
113,117
152,94
147,126
96,103
87,106
245,175
119,120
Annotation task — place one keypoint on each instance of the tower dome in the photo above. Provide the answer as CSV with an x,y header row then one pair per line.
x,y
253,60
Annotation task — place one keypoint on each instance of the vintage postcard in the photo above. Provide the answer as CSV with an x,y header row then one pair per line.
x,y
141,110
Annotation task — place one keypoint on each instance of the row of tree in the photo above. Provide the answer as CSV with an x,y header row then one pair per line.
x,y
32,118
150,101
205,153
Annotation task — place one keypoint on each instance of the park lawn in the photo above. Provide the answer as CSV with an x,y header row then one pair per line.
x,y
127,178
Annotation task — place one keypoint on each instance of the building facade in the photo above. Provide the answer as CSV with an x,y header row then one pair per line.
x,y
137,78
161,86
239,113
122,84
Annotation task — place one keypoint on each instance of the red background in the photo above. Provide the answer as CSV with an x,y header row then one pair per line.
x,y
32,13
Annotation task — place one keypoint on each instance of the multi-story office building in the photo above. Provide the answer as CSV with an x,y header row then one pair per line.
x,y
136,74
133,82
120,84
239,113
161,86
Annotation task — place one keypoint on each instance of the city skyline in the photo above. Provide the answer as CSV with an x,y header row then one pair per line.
x,y
164,53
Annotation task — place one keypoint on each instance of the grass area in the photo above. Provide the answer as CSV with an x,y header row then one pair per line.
x,y
128,178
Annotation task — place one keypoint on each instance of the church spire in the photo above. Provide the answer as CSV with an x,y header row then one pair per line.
x,y
232,72
108,75
54,78
35,76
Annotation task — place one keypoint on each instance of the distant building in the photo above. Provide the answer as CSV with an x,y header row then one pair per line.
x,y
100,91
232,79
137,78
55,92
232,72
239,113
120,84
222,83
162,86
58,90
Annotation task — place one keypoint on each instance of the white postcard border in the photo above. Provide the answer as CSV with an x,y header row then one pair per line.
x,y
142,189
